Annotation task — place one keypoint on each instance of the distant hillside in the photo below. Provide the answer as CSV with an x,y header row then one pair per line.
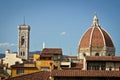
x,y
34,52
30,53
2,55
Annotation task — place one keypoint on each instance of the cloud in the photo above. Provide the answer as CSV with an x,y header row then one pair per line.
x,y
63,33
6,44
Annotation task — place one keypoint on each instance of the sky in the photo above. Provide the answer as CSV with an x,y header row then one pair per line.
x,y
57,23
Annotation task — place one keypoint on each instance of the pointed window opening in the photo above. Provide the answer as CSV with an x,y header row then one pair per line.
x,y
22,40
21,54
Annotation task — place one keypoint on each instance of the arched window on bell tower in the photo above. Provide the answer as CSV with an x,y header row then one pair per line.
x,y
20,53
23,53
22,40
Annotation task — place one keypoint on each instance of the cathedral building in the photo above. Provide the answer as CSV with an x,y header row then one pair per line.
x,y
96,42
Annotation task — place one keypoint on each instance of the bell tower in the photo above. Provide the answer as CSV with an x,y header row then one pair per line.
x,y
23,41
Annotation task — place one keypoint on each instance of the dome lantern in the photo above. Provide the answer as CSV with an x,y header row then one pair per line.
x,y
95,20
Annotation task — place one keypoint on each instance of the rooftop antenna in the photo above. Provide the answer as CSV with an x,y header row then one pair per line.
x,y
43,45
24,21
95,13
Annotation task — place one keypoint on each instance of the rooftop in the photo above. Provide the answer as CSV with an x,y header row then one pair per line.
x,y
102,58
48,52
24,65
51,51
86,73
44,75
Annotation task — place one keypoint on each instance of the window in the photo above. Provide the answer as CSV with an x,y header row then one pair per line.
x,y
20,71
97,67
119,68
55,57
109,54
23,53
89,67
17,62
44,68
110,68
22,40
97,54
102,68
84,54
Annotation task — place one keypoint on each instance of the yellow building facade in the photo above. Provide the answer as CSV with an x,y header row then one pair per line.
x,y
21,69
36,56
48,60
45,65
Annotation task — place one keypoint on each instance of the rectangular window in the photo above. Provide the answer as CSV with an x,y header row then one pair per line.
x,y
45,69
88,67
55,57
103,67
20,71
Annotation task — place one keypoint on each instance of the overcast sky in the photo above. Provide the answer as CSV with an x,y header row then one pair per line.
x,y
58,23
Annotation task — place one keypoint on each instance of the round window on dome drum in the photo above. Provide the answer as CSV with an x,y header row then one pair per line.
x,y
84,54
97,54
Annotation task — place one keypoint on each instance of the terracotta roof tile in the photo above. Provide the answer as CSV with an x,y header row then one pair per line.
x,y
77,65
3,77
22,66
51,51
85,39
85,73
102,58
19,65
44,75
97,36
107,39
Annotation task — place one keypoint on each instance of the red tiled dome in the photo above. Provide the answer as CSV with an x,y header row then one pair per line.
x,y
95,37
